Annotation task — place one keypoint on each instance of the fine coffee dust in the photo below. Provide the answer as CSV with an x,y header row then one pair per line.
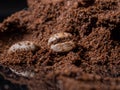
x,y
93,64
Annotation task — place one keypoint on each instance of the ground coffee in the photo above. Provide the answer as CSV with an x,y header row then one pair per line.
x,y
93,64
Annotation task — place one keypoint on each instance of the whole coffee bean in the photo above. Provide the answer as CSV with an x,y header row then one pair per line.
x,y
23,46
61,42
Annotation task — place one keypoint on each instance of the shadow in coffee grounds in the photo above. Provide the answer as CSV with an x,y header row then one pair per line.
x,y
8,85
8,7
115,33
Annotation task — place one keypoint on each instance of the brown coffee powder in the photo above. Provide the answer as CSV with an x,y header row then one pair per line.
x,y
93,64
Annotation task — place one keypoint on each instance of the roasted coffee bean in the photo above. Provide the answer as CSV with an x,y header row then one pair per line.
x,y
23,73
61,42
23,46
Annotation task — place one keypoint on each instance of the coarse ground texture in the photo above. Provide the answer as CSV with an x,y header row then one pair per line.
x,y
93,65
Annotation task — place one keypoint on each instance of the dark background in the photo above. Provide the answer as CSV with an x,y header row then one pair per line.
x,y
7,7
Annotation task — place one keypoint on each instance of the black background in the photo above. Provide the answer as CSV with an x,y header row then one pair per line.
x,y
7,7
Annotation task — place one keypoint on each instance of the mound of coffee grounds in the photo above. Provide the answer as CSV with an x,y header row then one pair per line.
x,y
94,63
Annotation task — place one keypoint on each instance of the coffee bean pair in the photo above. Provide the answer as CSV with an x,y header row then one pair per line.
x,y
59,42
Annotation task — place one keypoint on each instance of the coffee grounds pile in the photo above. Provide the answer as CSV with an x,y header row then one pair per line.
x,y
94,63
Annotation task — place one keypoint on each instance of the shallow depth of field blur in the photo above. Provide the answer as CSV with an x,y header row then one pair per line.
x,y
7,7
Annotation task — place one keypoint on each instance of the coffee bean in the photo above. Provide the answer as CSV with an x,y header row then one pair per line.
x,y
23,73
23,46
61,42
